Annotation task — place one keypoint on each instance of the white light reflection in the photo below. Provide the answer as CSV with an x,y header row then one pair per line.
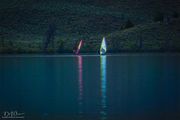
x,y
103,88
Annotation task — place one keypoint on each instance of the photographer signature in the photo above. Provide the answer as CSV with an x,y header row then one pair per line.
x,y
12,114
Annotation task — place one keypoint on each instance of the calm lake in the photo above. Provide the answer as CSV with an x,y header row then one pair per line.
x,y
90,87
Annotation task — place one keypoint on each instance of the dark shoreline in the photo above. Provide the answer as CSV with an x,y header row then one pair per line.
x,y
94,53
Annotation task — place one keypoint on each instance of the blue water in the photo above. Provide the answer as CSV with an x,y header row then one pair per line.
x,y
91,87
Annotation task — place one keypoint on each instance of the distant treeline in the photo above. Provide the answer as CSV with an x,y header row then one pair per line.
x,y
54,30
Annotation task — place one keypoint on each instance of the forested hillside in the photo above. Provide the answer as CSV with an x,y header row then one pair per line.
x,y
35,26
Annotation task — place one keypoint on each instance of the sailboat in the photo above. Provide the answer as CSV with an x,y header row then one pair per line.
x,y
103,48
79,47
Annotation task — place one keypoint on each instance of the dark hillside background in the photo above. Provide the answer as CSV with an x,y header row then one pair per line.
x,y
34,26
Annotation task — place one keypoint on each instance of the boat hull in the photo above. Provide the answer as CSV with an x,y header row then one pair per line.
x,y
102,51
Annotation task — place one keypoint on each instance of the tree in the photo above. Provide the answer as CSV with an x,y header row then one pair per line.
x,y
2,40
175,14
3,34
50,36
128,24
140,43
61,46
159,17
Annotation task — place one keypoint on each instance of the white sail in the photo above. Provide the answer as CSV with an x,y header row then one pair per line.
x,y
79,47
103,48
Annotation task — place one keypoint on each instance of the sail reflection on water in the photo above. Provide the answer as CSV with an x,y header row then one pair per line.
x,y
80,84
103,111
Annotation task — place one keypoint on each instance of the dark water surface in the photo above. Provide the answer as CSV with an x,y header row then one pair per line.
x,y
66,87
